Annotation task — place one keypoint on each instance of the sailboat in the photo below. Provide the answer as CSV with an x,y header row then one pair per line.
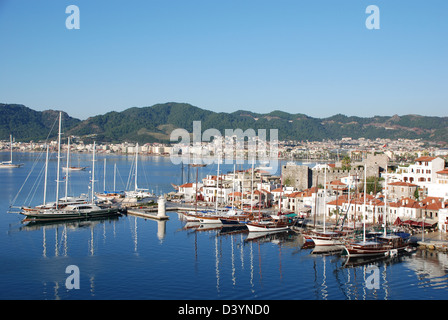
x,y
138,193
325,238
270,225
9,164
67,211
235,216
110,195
387,245
62,202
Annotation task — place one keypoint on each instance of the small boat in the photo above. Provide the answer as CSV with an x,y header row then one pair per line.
x,y
109,196
236,217
267,226
70,212
327,238
9,164
388,245
74,168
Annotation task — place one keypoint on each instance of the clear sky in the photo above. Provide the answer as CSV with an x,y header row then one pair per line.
x,y
300,56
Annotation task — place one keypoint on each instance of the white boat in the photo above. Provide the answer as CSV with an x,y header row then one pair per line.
x,y
9,164
328,238
267,226
70,212
138,193
74,168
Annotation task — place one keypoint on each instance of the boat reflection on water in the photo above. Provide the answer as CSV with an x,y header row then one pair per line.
x,y
327,249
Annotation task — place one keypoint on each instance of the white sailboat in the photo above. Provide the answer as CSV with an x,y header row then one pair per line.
x,y
114,195
138,193
64,210
325,238
9,164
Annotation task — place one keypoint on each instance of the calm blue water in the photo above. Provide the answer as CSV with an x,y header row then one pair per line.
x,y
133,258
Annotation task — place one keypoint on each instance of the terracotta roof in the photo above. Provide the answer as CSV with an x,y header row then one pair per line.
x,y
186,185
444,171
402,184
338,183
428,159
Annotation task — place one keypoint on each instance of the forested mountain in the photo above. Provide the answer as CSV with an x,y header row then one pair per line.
x,y
26,124
155,123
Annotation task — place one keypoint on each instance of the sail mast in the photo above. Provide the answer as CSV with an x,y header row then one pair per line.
x,y
59,162
46,175
67,169
93,173
136,166
10,146
364,211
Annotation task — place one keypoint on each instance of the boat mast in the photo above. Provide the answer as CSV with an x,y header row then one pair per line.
x,y
93,173
325,198
59,161
385,204
104,178
115,171
315,200
365,209
217,188
136,166
67,169
10,146
233,185
46,175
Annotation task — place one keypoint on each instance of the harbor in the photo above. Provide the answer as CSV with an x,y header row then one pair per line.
x,y
121,257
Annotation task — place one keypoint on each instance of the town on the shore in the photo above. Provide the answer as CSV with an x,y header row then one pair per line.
x,y
406,180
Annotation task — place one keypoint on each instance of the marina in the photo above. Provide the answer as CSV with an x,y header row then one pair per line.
x,y
138,256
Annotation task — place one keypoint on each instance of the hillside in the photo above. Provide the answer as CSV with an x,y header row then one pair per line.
x,y
155,123
26,124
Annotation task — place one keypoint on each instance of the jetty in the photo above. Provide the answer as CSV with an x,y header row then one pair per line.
x,y
154,212
434,241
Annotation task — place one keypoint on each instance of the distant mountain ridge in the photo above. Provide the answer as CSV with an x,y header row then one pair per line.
x,y
155,123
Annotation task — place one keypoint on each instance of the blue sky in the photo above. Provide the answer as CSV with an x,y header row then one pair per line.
x,y
314,57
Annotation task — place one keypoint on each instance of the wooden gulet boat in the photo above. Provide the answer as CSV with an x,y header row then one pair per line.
x,y
271,225
388,245
267,226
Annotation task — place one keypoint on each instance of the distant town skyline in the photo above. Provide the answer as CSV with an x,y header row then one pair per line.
x,y
296,56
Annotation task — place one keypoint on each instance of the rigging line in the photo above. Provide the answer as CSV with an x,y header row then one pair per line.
x,y
26,179
34,164
36,184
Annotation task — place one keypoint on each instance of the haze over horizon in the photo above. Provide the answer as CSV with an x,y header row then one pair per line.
x,y
314,58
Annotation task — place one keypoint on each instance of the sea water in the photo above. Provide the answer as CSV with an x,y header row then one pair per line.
x,y
128,257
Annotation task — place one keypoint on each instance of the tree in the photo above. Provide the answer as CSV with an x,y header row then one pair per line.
x,y
373,185
346,163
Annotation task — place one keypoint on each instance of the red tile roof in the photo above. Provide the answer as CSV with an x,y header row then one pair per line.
x,y
428,159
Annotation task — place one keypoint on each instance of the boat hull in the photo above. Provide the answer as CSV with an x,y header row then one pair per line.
x,y
261,227
54,215
359,252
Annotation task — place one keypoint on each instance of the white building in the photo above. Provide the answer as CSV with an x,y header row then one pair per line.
x,y
424,171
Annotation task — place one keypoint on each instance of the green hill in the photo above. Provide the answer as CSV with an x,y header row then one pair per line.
x,y
26,124
155,123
